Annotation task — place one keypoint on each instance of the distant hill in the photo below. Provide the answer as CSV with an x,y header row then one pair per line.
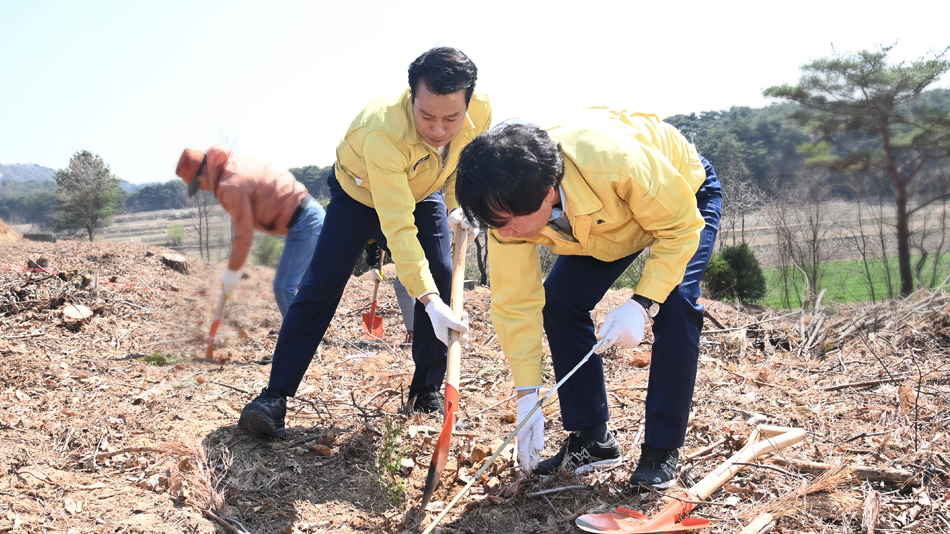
x,y
31,172
22,172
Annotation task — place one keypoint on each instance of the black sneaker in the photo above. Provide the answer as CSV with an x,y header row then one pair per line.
x,y
584,454
656,468
264,416
426,401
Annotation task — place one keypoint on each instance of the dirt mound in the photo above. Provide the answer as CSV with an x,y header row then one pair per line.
x,y
118,424
6,234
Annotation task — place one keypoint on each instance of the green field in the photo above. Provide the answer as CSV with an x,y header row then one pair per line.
x,y
846,282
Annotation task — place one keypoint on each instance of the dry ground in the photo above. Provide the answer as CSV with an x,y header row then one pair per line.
x,y
117,425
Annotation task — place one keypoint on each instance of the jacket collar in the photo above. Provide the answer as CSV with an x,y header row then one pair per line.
x,y
579,198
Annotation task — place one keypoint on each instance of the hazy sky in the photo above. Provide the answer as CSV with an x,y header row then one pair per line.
x,y
137,82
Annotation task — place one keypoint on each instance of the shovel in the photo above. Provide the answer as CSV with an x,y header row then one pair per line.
x,y
673,517
215,323
488,463
452,373
372,323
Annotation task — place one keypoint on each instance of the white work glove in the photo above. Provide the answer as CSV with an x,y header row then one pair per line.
x,y
458,219
531,435
228,280
443,320
376,274
623,326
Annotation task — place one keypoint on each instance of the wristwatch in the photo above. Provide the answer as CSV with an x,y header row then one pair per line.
x,y
651,307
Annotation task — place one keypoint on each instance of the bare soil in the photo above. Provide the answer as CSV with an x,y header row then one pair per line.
x,y
118,424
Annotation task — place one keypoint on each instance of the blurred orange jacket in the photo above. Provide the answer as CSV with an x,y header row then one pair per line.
x,y
256,194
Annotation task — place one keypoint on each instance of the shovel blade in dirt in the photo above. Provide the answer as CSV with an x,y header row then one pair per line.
x,y
453,372
215,323
372,323
441,452
673,517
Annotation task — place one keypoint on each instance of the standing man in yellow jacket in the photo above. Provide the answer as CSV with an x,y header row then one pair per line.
x,y
392,164
597,190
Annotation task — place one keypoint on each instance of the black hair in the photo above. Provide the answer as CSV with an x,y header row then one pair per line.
x,y
444,70
507,171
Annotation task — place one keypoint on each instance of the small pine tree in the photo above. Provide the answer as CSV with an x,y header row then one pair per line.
x,y
735,273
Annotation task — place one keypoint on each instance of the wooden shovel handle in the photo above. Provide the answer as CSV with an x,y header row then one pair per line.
x,y
773,438
454,365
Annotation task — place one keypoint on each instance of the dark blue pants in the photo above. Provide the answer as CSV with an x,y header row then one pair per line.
x,y
577,283
348,226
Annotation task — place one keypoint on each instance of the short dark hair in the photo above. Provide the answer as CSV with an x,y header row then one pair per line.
x,y
507,171
444,70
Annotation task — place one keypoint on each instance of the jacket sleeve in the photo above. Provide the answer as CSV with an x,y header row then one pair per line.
x,y
236,202
517,296
482,119
386,166
664,205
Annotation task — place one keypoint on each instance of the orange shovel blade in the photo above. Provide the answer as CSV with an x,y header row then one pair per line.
x,y
441,452
372,323
624,521
214,331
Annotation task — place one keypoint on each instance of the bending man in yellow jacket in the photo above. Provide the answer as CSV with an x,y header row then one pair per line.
x,y
386,185
597,190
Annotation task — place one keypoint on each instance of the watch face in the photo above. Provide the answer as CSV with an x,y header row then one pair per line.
x,y
654,309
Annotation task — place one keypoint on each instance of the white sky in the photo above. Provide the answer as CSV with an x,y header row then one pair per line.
x,y
137,82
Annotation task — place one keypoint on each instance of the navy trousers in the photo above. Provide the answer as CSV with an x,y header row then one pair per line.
x,y
577,283
348,226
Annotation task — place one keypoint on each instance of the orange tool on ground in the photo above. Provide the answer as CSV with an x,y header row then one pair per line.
x,y
372,323
215,323
452,373
673,517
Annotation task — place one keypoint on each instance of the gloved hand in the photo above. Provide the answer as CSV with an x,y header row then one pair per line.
x,y
458,219
531,435
228,280
623,326
377,274
443,320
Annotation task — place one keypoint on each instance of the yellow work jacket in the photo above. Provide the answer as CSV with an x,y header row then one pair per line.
x,y
384,163
630,182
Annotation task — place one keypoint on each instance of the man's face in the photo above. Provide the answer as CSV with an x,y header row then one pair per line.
x,y
530,225
438,117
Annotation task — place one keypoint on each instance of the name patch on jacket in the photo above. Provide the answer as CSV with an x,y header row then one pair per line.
x,y
420,161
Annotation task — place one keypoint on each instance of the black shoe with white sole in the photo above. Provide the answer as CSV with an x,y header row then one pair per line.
x,y
656,468
264,416
582,454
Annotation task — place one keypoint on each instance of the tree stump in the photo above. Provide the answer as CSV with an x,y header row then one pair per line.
x,y
176,262
76,313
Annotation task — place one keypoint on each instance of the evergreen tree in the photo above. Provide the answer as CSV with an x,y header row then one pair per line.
x,y
864,113
88,193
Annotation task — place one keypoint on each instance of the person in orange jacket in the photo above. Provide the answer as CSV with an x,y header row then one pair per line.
x,y
258,196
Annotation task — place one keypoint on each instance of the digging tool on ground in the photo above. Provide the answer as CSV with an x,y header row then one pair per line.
x,y
452,372
508,439
372,323
673,517
215,323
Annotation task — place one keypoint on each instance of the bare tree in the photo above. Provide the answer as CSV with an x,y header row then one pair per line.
x,y
202,204
742,197
803,221
868,236
481,256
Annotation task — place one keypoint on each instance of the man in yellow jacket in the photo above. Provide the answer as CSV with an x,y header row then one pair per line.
x,y
392,164
597,190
